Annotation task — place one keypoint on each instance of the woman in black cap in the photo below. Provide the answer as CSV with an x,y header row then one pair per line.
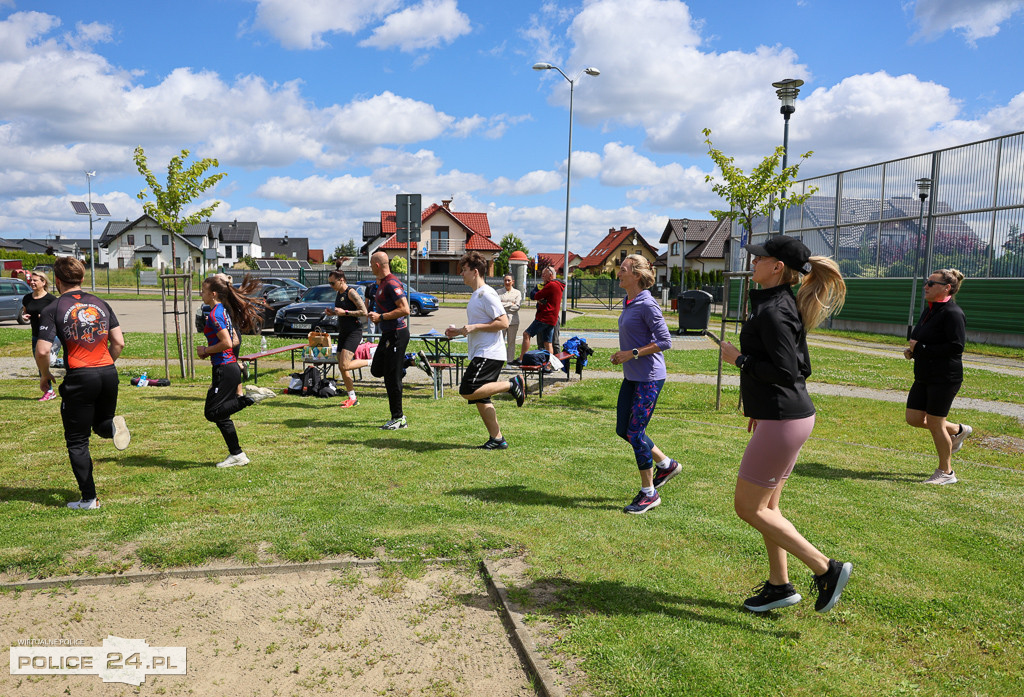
x,y
774,364
936,346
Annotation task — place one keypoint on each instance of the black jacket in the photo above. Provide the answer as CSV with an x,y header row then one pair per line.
x,y
776,364
940,334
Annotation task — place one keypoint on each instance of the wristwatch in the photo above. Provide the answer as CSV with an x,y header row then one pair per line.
x,y
636,353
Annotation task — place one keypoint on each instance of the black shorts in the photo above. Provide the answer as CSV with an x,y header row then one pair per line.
x,y
934,399
349,338
479,372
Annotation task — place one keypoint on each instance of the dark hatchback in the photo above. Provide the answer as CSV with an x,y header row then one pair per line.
x,y
307,313
275,297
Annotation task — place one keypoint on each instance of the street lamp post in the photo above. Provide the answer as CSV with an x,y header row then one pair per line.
x,y
924,185
787,90
92,246
568,170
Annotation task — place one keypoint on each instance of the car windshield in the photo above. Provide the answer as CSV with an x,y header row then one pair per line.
x,y
291,282
319,294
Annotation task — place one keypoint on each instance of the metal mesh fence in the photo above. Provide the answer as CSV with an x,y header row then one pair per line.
x,y
872,221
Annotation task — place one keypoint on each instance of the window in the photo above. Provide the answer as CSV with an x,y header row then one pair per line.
x,y
149,239
241,251
622,255
294,254
165,240
439,238
227,251
131,240
675,249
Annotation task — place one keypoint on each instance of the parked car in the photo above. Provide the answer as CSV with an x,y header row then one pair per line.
x,y
12,290
275,297
299,318
419,303
284,283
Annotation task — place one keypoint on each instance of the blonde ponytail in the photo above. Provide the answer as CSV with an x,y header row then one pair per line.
x,y
822,291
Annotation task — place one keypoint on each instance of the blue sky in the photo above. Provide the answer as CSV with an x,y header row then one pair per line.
x,y
321,111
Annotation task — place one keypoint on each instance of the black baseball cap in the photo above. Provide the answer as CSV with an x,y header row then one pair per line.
x,y
789,250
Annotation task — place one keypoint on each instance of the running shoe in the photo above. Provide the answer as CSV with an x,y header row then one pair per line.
x,y
940,477
50,394
349,403
234,461
424,363
517,388
771,597
831,583
642,503
494,444
663,475
959,438
258,394
122,437
83,505
394,424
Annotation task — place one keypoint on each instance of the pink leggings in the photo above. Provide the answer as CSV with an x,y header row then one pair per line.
x,y
773,449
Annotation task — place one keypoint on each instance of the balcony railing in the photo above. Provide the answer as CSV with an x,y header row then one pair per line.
x,y
444,247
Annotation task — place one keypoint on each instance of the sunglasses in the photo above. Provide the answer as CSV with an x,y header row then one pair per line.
x,y
931,283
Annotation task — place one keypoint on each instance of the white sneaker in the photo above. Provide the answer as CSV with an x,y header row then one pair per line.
x,y
234,461
258,394
958,439
90,505
122,437
940,477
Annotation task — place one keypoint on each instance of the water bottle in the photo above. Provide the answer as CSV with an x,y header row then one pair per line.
x,y
143,380
263,342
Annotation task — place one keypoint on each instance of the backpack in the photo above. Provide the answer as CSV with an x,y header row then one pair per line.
x,y
536,357
328,388
310,381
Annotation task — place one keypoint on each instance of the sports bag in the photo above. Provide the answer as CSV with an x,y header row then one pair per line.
x,y
310,381
536,357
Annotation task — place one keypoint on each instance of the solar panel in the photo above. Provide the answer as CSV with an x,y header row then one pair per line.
x,y
281,265
100,208
80,207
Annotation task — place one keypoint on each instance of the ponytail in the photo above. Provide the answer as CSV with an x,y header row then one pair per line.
x,y
822,291
245,312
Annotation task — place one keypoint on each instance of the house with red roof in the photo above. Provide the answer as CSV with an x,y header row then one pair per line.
x,y
557,260
445,235
616,246
696,244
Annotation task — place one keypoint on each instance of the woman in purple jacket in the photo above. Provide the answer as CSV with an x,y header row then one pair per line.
x,y
643,335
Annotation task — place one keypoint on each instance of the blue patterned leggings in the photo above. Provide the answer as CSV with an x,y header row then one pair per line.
x,y
633,412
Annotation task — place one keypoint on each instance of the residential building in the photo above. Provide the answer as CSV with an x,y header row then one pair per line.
x,y
145,240
702,246
616,246
445,236
557,260
293,248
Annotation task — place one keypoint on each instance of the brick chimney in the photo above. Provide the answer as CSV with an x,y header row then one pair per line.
x,y
447,203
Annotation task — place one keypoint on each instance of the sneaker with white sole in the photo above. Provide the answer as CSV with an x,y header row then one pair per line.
x,y
662,475
394,424
421,358
258,394
642,503
83,505
940,477
830,584
50,394
234,461
494,444
517,388
772,597
122,436
959,438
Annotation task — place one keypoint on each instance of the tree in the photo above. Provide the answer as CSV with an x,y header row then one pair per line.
x,y
509,243
349,249
399,265
183,186
758,194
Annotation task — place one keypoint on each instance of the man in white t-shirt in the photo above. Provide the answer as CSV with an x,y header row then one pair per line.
x,y
485,322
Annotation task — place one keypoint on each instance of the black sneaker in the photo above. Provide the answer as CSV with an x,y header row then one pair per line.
x,y
517,389
424,364
494,444
770,597
642,503
831,583
663,475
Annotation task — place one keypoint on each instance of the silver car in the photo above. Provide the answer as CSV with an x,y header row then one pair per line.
x,y
12,290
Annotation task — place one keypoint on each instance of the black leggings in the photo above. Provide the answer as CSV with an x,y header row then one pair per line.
x,y
88,402
222,401
389,363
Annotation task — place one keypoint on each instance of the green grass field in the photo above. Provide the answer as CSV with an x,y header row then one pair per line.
x,y
645,605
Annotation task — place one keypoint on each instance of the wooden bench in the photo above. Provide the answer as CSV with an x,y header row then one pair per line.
x,y
538,371
255,357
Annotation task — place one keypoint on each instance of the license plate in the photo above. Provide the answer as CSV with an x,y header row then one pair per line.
x,y
302,326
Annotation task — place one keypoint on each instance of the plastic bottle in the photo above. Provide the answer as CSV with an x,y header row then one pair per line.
x,y
263,342
143,380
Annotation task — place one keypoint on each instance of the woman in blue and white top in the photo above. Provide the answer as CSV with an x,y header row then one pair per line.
x,y
643,335
225,396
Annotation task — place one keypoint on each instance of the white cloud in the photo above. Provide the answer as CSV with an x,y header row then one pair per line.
x,y
302,25
319,192
536,182
427,25
387,118
977,19
398,166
